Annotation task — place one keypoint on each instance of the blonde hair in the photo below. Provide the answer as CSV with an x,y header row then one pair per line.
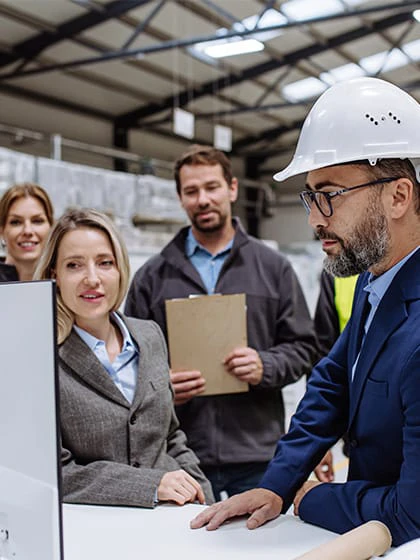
x,y
22,190
70,221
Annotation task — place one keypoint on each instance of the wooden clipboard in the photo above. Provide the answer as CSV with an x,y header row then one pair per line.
x,y
202,331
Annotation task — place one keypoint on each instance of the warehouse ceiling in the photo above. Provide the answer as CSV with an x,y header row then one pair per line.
x,y
136,63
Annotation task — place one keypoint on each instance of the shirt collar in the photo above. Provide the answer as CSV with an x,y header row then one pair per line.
x,y
192,245
377,286
94,342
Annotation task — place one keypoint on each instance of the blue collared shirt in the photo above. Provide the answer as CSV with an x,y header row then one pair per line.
x,y
376,288
207,265
124,369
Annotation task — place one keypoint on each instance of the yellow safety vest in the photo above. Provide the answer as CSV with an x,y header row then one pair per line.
x,y
343,298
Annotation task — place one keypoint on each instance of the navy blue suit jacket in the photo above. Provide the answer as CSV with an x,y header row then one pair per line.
x,y
380,409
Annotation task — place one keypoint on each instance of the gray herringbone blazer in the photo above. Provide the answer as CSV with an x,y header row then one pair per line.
x,y
114,452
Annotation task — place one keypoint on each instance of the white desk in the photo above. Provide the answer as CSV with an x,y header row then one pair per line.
x,y
114,533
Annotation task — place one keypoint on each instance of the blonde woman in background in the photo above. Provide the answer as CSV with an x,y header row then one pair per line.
x,y
121,442
26,217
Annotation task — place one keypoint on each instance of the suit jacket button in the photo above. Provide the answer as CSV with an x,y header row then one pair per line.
x,y
136,464
354,443
133,419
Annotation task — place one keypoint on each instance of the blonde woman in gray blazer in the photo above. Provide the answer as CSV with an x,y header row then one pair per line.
x,y
121,442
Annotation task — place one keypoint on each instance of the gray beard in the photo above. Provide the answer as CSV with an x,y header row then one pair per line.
x,y
367,246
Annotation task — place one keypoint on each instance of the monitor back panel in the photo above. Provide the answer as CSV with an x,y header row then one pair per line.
x,y
29,475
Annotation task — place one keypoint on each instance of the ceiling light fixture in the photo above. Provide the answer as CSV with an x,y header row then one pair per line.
x,y
222,48
234,48
298,10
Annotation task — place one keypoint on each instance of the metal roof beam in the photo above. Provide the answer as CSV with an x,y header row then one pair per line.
x,y
55,102
271,134
35,45
142,25
244,75
209,88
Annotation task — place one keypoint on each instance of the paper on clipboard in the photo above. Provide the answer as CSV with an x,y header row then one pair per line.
x,y
202,331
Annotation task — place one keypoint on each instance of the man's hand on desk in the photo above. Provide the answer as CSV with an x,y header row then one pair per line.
x,y
262,504
186,385
179,487
245,364
305,488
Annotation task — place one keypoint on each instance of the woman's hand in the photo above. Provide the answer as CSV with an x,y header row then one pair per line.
x,y
179,487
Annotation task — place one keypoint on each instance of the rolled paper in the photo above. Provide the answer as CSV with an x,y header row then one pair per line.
x,y
370,539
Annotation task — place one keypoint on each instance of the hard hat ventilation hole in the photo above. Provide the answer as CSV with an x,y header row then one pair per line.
x,y
375,121
372,119
394,118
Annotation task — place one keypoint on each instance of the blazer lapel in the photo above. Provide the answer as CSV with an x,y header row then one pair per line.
x,y
361,310
143,377
388,317
83,362
151,345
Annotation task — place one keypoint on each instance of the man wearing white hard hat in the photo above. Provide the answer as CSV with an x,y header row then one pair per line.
x,y
360,150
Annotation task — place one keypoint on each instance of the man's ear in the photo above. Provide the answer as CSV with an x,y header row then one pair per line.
x,y
402,197
233,188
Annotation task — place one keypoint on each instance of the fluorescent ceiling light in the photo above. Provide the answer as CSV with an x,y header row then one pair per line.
x,y
235,45
299,10
296,10
234,48
303,89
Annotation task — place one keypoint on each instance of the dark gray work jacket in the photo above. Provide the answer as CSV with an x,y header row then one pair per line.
x,y
242,427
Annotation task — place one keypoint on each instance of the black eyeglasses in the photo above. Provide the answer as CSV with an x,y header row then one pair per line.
x,y
323,199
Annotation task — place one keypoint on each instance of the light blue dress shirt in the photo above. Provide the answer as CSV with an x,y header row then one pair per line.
x,y
124,369
207,265
376,288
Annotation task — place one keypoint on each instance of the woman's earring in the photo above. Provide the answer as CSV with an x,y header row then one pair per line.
x,y
3,243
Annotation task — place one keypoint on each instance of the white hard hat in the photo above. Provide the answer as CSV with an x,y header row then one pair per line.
x,y
361,119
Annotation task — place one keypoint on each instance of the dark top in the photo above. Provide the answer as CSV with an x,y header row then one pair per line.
x,y
242,427
378,403
8,272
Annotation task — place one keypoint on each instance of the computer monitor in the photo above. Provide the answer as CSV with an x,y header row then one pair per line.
x,y
30,504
